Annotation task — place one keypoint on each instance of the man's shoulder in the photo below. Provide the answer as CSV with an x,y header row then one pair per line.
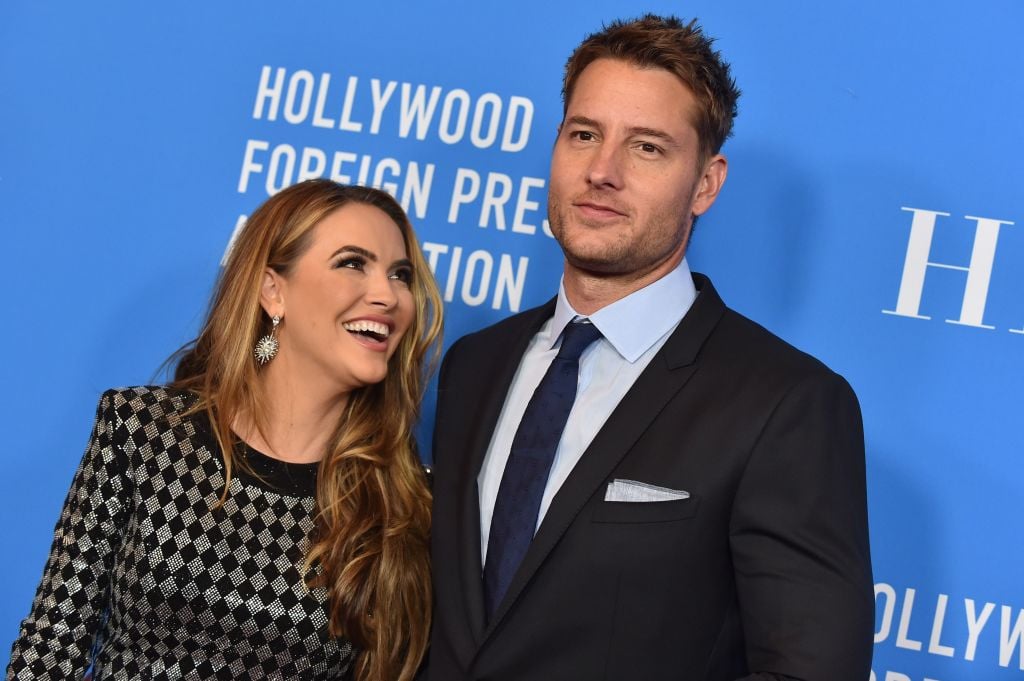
x,y
764,358
496,337
752,337
747,348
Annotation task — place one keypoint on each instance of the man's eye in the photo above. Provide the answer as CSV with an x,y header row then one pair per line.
x,y
403,274
583,135
649,148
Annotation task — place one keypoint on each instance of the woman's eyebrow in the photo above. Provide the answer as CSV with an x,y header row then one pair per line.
x,y
358,250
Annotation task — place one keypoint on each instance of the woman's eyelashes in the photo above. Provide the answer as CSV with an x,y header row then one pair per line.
x,y
402,273
352,262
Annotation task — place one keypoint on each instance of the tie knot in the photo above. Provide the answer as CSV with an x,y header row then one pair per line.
x,y
576,338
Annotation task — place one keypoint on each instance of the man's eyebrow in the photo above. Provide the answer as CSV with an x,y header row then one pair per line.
x,y
358,250
583,120
653,132
636,130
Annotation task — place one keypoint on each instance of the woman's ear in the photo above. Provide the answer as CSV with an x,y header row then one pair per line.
x,y
272,293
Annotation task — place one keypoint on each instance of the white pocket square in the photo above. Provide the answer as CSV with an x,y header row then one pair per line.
x,y
633,491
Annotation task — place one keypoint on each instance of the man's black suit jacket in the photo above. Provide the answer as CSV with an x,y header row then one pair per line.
x,y
763,573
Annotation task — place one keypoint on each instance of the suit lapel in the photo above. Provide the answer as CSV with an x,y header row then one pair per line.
x,y
663,378
506,355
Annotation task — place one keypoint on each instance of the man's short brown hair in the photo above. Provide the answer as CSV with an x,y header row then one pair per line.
x,y
681,49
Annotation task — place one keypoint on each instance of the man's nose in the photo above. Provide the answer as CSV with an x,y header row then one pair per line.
x,y
605,169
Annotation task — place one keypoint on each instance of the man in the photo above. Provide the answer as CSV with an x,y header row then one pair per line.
x,y
700,511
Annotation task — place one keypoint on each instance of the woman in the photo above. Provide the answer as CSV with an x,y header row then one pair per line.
x,y
265,515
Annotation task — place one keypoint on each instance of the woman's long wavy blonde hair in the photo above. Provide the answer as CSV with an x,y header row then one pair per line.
x,y
371,541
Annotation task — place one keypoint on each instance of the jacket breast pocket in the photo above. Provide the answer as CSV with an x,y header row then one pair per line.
x,y
645,511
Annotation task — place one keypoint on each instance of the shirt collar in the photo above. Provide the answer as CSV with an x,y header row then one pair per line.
x,y
635,323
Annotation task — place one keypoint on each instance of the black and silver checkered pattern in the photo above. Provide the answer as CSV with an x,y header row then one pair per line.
x,y
149,578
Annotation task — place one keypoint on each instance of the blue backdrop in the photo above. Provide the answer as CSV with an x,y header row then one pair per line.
x,y
868,218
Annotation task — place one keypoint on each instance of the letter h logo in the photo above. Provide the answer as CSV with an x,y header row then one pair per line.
x,y
979,271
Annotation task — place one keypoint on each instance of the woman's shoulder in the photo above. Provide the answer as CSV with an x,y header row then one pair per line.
x,y
139,397
141,405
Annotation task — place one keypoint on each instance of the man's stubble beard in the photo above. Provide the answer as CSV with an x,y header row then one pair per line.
x,y
621,257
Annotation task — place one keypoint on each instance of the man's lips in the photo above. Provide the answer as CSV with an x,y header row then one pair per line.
x,y
593,209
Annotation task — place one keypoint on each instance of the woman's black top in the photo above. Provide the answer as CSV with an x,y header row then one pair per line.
x,y
150,578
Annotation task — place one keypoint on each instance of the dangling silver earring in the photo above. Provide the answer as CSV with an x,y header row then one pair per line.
x,y
267,346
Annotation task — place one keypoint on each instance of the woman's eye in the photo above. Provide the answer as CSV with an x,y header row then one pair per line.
x,y
352,263
403,275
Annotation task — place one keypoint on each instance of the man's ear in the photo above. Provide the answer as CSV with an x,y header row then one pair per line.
x,y
272,293
710,183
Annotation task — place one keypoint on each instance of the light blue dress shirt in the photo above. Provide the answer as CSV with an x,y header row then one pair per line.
x,y
633,330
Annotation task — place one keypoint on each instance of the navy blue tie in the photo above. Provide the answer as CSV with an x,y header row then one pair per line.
x,y
529,462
